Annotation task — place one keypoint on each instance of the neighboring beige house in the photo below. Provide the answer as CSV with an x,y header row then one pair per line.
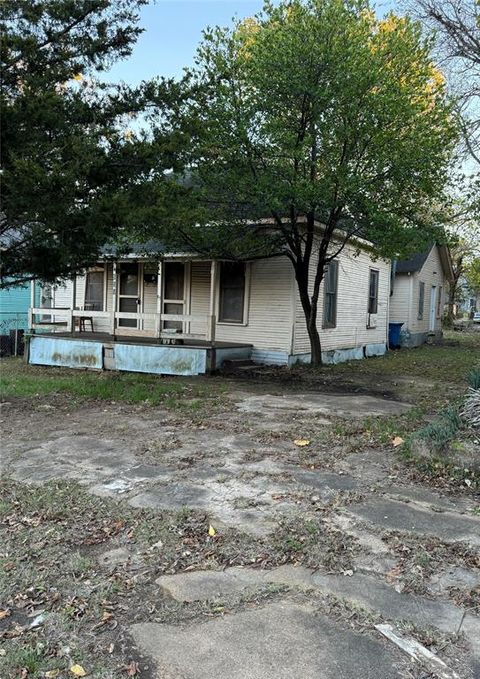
x,y
419,289
184,315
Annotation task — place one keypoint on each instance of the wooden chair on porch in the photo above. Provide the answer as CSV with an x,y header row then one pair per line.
x,y
83,320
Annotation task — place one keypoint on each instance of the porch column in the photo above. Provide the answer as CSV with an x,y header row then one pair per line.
x,y
74,301
114,298
211,320
32,305
158,319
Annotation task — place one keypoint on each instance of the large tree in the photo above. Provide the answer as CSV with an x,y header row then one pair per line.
x,y
312,123
72,155
455,25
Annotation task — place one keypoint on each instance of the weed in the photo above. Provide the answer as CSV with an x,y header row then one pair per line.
x,y
473,378
439,433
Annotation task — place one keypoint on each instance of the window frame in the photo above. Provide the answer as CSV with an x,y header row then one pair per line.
x,y
246,295
329,324
96,270
376,273
421,300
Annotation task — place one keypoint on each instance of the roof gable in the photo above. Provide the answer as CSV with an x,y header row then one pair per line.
x,y
413,264
416,262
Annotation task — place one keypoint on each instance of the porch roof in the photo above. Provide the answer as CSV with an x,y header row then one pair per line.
x,y
152,249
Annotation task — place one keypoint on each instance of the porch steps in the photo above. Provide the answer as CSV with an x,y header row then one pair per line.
x,y
234,366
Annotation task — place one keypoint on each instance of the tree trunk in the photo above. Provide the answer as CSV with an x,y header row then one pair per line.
x,y
315,345
309,307
451,304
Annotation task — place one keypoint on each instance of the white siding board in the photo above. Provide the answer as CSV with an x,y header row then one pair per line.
x,y
431,274
400,306
352,305
270,319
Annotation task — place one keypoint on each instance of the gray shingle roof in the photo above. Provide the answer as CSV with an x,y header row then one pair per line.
x,y
413,264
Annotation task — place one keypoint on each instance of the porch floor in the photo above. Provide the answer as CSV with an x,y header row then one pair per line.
x,y
132,353
105,338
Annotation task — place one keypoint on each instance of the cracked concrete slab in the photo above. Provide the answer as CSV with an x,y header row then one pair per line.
x,y
426,498
346,405
365,590
206,585
325,482
72,457
279,641
383,598
250,504
378,596
398,515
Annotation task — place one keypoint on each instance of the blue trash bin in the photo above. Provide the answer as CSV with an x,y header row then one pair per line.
x,y
394,335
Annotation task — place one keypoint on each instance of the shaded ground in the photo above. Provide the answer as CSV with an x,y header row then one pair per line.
x,y
179,529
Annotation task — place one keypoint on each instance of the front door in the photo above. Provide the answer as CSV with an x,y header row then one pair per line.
x,y
173,293
433,308
129,300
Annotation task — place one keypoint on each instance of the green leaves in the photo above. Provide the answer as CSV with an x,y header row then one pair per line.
x,y
73,153
319,108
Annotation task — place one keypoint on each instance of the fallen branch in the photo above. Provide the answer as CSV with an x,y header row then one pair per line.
x,y
418,652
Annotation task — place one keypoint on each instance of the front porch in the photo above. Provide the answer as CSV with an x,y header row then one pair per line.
x,y
102,351
135,315
136,298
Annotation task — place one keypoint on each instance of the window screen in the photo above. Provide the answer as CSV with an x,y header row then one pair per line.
x,y
330,296
94,291
174,281
232,292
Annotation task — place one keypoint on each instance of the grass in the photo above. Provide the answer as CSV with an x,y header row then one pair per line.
x,y
432,377
20,380
452,358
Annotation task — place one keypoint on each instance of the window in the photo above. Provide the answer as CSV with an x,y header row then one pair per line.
x,y
330,296
373,292
94,291
439,302
421,300
232,292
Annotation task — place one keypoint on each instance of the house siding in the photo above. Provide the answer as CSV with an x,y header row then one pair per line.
x,y
351,329
405,300
274,321
269,313
14,305
431,274
400,300
268,310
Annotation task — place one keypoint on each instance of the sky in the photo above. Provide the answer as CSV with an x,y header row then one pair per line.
x,y
173,29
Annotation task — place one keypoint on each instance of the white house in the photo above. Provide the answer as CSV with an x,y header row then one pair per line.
x,y
181,314
419,288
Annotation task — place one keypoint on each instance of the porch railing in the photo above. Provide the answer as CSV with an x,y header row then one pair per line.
x,y
60,319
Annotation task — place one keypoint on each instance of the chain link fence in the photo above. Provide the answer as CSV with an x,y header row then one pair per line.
x,y
12,330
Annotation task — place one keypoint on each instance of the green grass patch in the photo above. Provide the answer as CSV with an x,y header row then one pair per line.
x,y
450,360
20,380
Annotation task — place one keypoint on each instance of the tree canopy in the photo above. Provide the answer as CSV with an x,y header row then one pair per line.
x,y
72,156
311,123
455,26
